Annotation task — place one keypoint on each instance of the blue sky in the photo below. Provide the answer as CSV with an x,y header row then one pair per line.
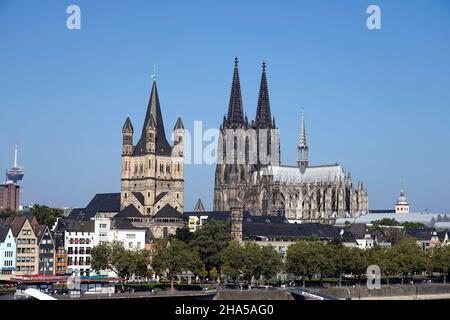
x,y
378,102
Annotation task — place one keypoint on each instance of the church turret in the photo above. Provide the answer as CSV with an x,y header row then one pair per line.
x,y
150,135
302,148
178,133
127,142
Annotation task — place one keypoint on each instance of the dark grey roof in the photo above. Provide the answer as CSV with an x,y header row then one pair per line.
x,y
347,236
219,215
129,212
420,234
74,225
199,207
290,230
140,197
3,233
168,212
151,124
149,237
358,230
178,124
127,126
124,224
382,211
153,109
101,202
160,196
76,212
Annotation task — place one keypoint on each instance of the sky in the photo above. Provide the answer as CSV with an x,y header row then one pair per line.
x,y
376,101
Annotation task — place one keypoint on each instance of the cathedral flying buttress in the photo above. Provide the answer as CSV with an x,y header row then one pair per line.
x,y
301,193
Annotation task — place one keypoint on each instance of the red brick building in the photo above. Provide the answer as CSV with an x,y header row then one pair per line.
x,y
9,196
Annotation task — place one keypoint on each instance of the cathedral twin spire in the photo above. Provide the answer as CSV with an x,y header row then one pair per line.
x,y
235,117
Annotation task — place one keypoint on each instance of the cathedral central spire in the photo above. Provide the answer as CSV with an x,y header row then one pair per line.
x,y
302,149
263,118
235,116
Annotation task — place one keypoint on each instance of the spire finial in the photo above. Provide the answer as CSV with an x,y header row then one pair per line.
x,y
236,61
154,73
303,129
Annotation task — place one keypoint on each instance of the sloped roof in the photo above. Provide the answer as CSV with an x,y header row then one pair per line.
x,y
160,196
359,230
124,224
312,173
15,223
74,225
199,207
139,196
39,231
168,212
104,202
290,230
129,212
153,109
3,233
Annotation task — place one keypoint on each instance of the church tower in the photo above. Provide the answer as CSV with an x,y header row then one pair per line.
x,y
152,170
302,148
233,168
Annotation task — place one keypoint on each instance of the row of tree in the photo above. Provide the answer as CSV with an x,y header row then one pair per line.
x,y
308,259
209,254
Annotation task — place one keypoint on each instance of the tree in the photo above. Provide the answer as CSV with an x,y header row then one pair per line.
x,y
300,260
125,263
46,215
232,258
7,212
209,241
383,258
271,262
184,234
409,258
173,257
440,257
357,262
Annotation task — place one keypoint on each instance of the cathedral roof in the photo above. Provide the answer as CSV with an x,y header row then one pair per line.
x,y
326,173
153,109
139,196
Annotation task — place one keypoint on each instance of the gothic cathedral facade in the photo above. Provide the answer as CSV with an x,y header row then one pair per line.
x,y
301,193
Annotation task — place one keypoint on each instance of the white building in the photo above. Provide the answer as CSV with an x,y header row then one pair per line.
x,y
402,205
7,253
131,237
78,243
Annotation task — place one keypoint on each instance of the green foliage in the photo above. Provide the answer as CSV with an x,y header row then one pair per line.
x,y
250,260
173,257
46,215
233,260
209,241
440,259
184,234
7,212
407,257
125,263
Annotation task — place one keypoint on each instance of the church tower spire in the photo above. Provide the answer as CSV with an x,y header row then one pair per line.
x,y
263,118
235,116
302,148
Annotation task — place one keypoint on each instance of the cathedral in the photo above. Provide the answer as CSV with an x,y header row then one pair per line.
x,y
152,169
301,193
